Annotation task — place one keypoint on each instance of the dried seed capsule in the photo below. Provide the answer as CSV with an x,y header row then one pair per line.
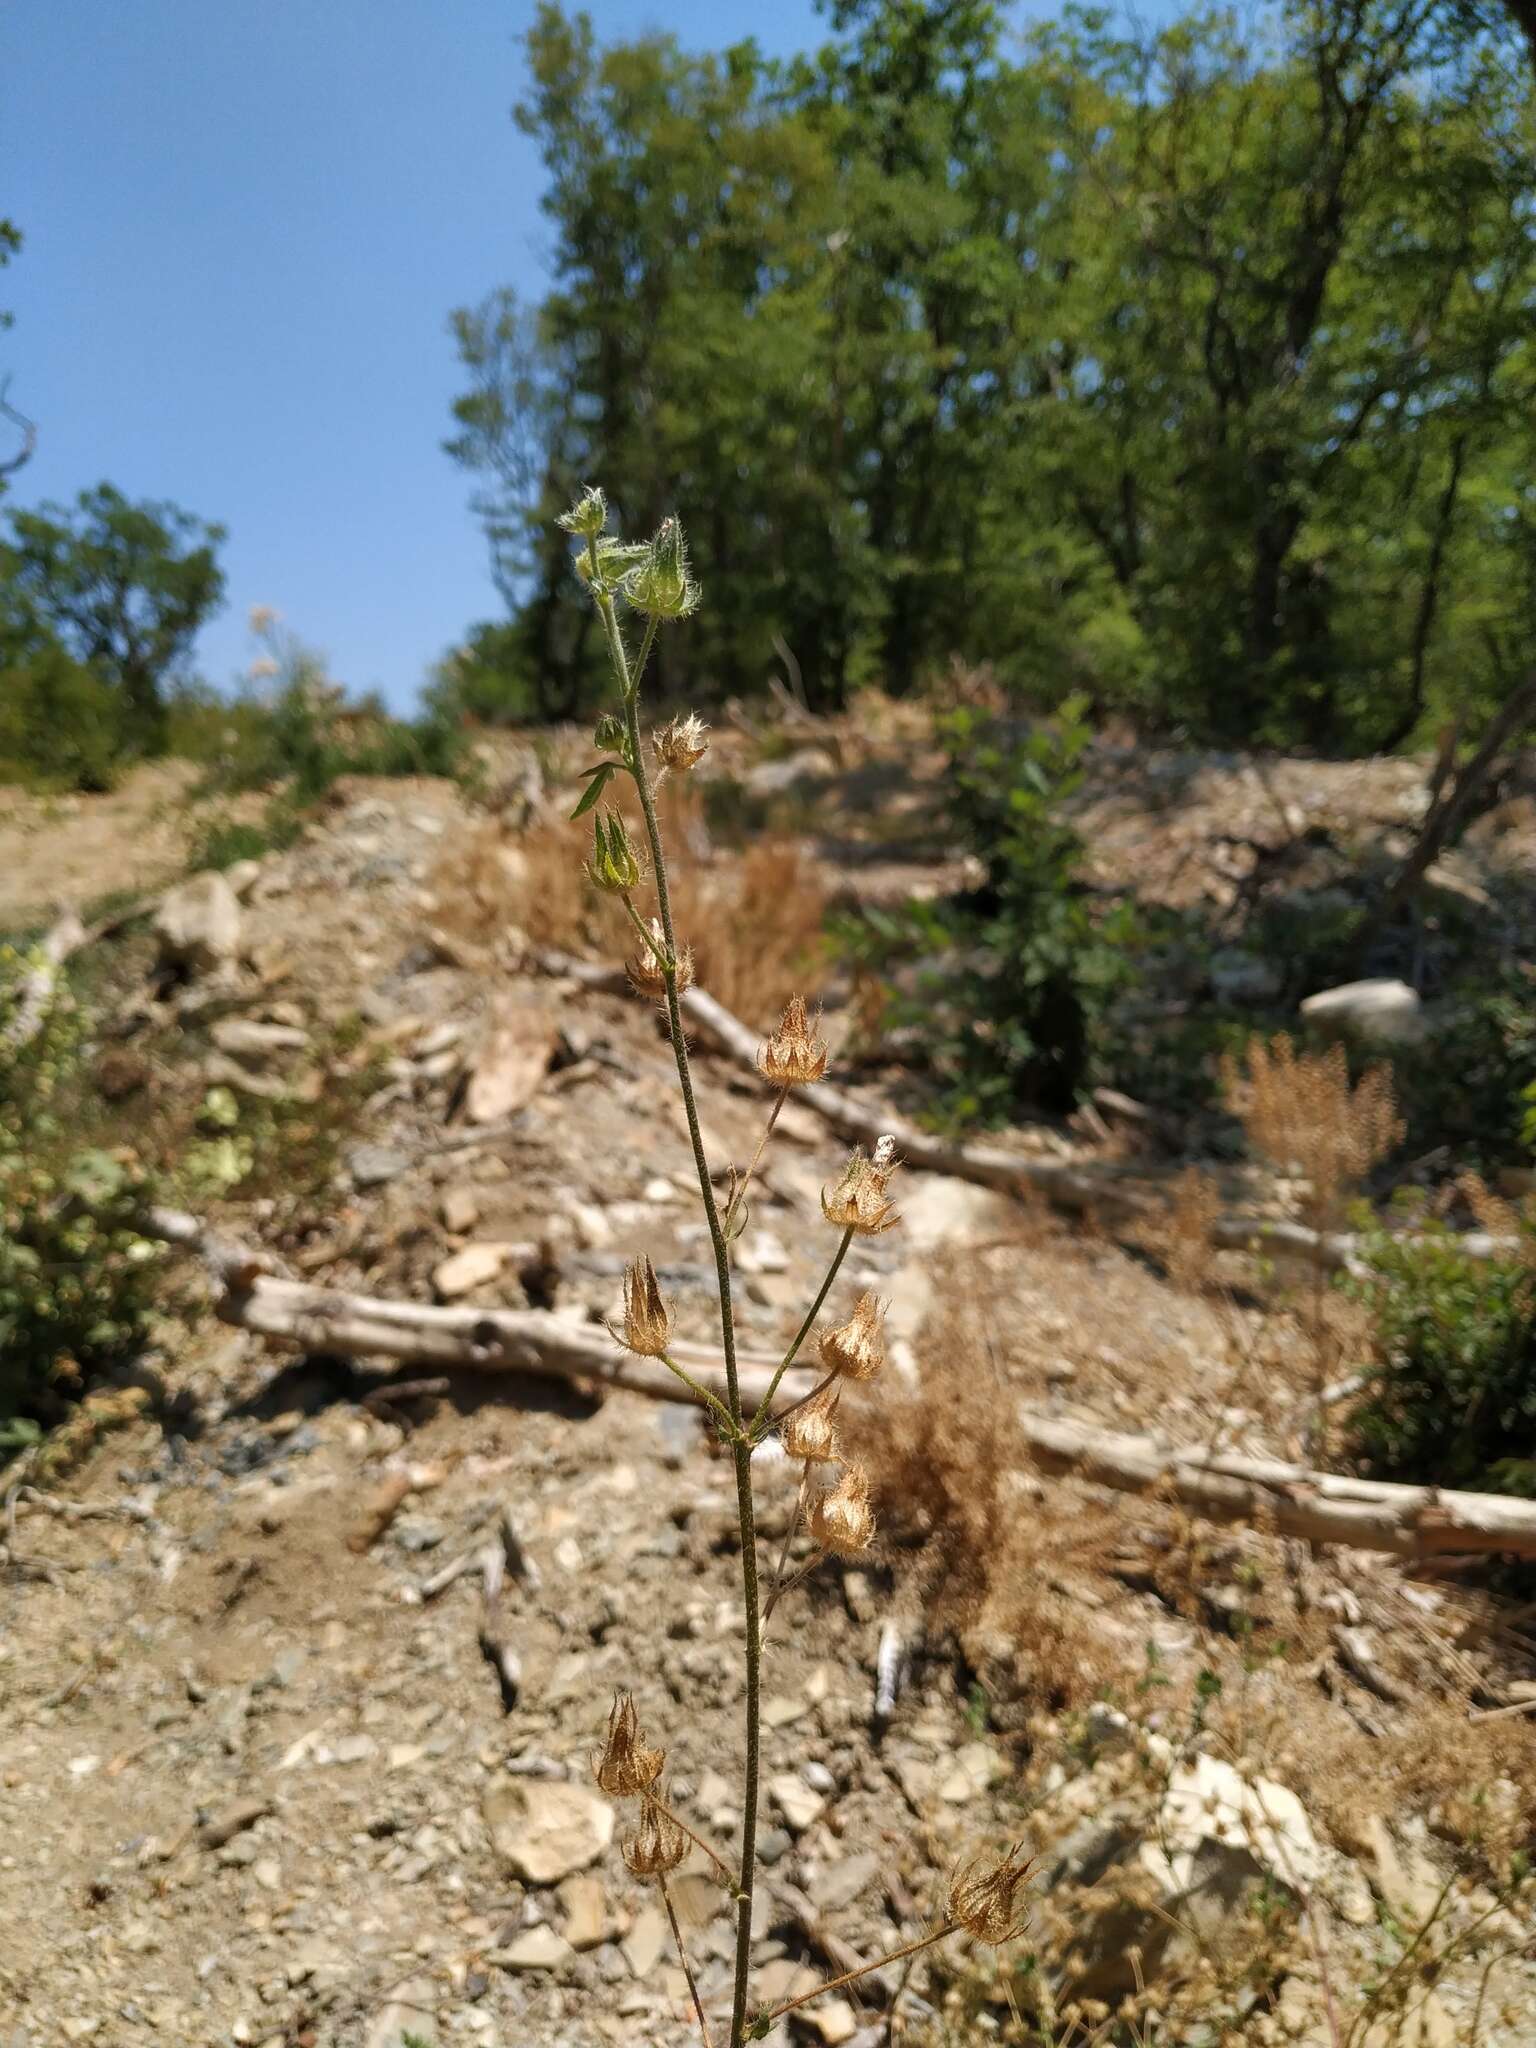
x,y
855,1350
644,969
682,742
858,1201
809,1435
984,1896
647,1319
626,1766
657,1845
796,1052
842,1521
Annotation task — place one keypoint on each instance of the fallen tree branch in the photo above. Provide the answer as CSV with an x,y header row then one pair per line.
x,y
1285,1499
1071,1186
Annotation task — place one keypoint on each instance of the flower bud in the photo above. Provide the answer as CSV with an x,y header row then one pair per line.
x,y
796,1052
858,1202
626,1766
661,586
614,866
809,1435
842,1520
644,969
856,1349
588,516
681,743
647,1319
608,735
657,1845
983,1896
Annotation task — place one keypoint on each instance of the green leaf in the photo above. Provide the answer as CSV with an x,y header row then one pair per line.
x,y
597,783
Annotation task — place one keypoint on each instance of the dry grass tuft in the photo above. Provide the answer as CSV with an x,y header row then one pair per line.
x,y
949,1471
1301,1112
754,919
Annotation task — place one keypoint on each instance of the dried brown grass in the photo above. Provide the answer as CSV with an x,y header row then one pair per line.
x,y
753,919
1301,1112
972,1547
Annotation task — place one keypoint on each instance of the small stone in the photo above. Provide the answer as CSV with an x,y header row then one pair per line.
x,y
536,1948
838,1884
975,1767
773,1845
268,1873
463,1271
835,2020
460,1209
353,1749
371,1166
779,1711
645,1941
248,1039
586,1911
795,1800
545,1830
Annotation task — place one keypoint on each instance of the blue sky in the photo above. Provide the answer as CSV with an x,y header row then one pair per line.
x,y
246,222
245,225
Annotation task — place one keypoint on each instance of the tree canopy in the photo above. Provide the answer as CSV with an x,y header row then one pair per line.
x,y
1190,371
119,589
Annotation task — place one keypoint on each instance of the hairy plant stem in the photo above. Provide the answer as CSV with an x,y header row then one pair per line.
x,y
712,1402
739,1192
802,1333
741,1454
910,1948
682,1957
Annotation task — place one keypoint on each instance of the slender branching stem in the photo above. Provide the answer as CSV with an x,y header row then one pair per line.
x,y
722,1868
805,1400
789,1537
682,1957
739,1192
803,1332
712,1402
740,1449
789,1585
910,1948
647,938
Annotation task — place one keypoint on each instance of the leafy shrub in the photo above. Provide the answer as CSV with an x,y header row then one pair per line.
x,y
1452,1400
77,1275
1467,1087
225,840
490,681
1009,1018
61,726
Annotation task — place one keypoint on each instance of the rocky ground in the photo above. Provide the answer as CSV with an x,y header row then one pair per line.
x,y
265,1780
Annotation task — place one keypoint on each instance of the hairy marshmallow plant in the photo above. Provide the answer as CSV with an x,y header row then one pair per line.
x,y
651,582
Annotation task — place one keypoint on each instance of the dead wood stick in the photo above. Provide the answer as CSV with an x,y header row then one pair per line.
x,y
1288,1499
1075,1187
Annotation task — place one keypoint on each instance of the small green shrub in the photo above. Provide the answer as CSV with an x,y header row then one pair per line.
x,y
77,1275
1008,1017
1452,1400
61,726
225,840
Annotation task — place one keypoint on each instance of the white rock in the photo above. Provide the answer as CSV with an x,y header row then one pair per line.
x,y
511,1064
975,1766
1386,1011
198,923
463,1271
795,1800
545,1830
835,2020
645,1941
536,1948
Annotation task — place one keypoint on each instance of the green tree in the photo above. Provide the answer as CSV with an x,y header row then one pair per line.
x,y
1189,371
123,588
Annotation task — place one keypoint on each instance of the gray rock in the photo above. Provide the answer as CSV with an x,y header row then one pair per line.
x,y
1241,977
372,1165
